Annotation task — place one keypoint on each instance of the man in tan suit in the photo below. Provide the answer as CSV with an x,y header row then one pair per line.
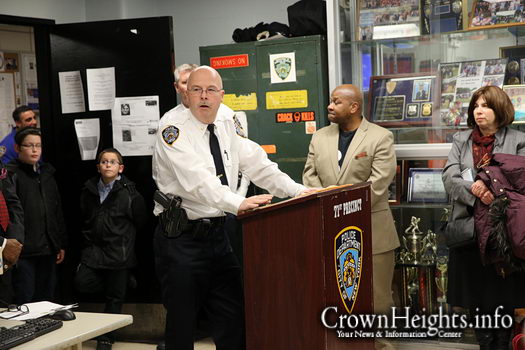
x,y
350,151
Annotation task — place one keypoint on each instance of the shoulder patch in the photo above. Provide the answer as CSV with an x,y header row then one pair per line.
x,y
238,127
170,134
3,149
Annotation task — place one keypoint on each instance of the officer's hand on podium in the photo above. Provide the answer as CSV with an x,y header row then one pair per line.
x,y
254,202
309,191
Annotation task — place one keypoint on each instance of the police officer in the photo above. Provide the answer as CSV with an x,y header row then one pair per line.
x,y
197,157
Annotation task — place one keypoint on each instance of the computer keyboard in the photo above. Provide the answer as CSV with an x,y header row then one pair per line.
x,y
11,337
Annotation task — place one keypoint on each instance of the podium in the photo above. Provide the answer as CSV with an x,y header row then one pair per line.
x,y
302,256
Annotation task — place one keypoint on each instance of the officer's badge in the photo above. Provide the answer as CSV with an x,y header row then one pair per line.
x,y
238,127
282,66
426,109
170,134
348,264
3,149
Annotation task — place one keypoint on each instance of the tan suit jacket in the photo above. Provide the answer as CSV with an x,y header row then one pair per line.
x,y
370,157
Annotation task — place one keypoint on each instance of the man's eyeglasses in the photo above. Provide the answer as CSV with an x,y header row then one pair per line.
x,y
110,162
209,91
18,309
32,145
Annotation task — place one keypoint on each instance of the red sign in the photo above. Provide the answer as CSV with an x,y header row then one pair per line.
x,y
229,61
288,117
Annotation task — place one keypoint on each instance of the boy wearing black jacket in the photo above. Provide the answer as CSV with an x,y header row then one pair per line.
x,y
34,276
113,211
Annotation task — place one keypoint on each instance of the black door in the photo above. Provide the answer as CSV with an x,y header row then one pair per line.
x,y
141,50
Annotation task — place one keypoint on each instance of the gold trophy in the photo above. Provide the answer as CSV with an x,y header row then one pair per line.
x,y
412,287
442,278
428,256
413,245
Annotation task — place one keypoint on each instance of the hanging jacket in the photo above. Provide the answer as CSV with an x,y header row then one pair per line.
x,y
110,227
501,226
44,225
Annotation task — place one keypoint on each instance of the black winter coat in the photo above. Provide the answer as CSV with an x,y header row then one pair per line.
x,y
110,227
44,226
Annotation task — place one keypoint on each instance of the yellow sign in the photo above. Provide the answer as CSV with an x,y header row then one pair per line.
x,y
242,102
287,99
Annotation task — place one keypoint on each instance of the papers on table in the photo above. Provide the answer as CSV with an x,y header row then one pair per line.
x,y
34,310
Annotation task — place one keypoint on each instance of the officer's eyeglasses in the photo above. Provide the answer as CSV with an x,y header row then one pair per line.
x,y
196,90
32,145
110,162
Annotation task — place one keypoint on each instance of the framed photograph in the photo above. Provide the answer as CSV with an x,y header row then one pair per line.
x,y
386,19
491,13
12,62
517,97
421,90
512,51
426,186
459,81
394,189
440,16
402,100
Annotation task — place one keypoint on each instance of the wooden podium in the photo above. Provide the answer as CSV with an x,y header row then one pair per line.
x,y
291,273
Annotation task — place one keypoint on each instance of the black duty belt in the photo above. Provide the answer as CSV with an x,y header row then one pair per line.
x,y
219,220
201,228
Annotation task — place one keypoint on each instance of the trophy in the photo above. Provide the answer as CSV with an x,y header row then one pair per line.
x,y
428,256
412,287
441,278
413,245
444,215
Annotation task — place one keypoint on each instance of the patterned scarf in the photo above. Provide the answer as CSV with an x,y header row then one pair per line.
x,y
482,148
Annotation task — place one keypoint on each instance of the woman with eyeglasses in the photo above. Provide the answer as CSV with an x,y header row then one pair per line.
x,y
34,276
113,211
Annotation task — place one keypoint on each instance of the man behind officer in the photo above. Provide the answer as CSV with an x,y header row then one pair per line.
x,y
350,151
197,157
23,116
182,74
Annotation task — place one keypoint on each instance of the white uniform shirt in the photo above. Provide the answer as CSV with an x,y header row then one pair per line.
x,y
183,165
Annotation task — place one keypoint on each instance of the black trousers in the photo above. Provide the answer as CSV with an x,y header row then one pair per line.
x,y
6,288
34,279
195,274
111,283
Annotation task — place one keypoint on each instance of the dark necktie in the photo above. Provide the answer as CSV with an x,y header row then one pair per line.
x,y
217,157
4,213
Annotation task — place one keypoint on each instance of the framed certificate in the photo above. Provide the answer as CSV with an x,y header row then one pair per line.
x,y
402,99
426,186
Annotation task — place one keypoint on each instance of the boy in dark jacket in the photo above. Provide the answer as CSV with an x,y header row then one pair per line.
x,y
113,210
34,276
